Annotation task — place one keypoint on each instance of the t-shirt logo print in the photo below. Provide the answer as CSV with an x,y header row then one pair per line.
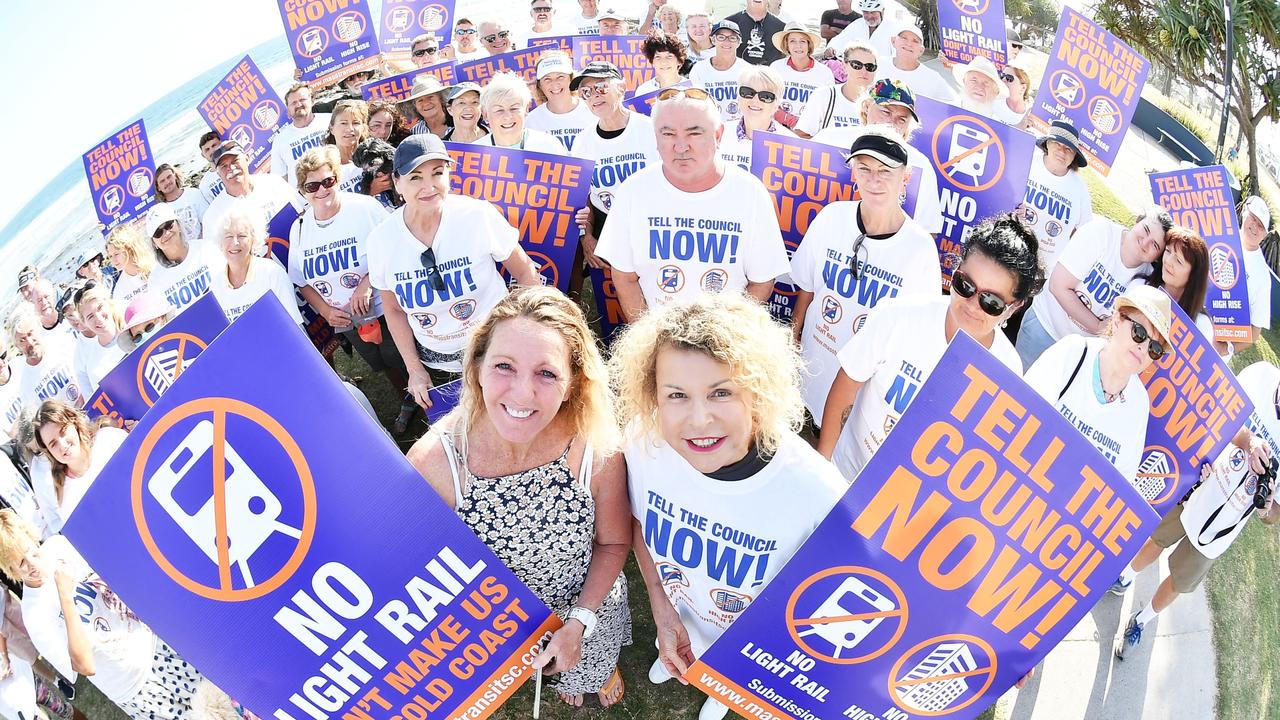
x,y
755,46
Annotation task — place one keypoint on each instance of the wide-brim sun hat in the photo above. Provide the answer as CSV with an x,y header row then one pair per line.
x,y
780,37
424,85
144,308
982,66
1154,304
1064,132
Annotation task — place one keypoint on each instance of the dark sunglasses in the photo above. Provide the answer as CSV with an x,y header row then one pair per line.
x,y
315,185
84,289
1016,46
491,37
428,260
426,51
991,303
465,31
1008,77
542,9
746,93
859,65
137,337
691,93
1140,335
165,227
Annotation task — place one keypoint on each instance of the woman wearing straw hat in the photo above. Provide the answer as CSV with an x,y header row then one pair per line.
x,y
801,74
981,90
426,104
1057,201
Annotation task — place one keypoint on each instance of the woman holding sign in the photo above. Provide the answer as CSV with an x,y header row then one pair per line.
x,y
894,352
710,395
527,461
1095,380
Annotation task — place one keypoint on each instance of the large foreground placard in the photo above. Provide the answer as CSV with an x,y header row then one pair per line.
x,y
983,529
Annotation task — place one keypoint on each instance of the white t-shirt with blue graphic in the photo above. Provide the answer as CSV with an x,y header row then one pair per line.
x,y
617,158
798,85
722,85
182,284
333,256
565,127
1053,207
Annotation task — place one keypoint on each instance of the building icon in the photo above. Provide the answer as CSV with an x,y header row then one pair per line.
x,y
1154,473
918,694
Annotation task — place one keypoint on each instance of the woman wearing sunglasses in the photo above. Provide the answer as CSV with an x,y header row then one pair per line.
x,y
182,263
840,105
1018,104
896,349
759,92
1095,380
433,263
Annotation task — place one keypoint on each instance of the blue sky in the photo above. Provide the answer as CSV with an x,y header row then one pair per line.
x,y
78,70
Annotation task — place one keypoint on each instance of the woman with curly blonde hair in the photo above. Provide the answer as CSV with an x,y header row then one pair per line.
x,y
527,459
130,253
710,395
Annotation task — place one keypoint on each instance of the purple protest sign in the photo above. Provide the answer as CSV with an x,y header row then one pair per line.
x,y
643,103
538,193
229,523
561,42
121,171
244,107
397,87
134,385
973,28
521,62
1197,406
330,40
982,167
1093,80
404,20
1200,198
607,303
443,399
624,51
982,530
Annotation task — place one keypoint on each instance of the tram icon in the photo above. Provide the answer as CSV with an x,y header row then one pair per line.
x,y
963,140
852,598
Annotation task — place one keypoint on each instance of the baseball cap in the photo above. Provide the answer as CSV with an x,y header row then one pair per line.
x,y
457,91
27,275
554,63
159,214
230,147
609,14
894,92
727,25
888,150
1257,207
417,149
597,69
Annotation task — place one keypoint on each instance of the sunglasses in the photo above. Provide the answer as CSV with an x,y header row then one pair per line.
x,y
588,91
991,303
426,51
746,93
492,37
691,93
165,227
145,331
1008,77
315,185
84,290
1140,335
465,31
859,65
542,9
428,260
1016,46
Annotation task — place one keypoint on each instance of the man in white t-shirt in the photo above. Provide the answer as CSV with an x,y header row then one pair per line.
x,y
264,191
1096,266
588,21
10,399
694,223
306,130
870,28
210,183
1255,220
466,42
49,372
1057,201
718,74
543,13
1209,521
905,65
44,298
187,204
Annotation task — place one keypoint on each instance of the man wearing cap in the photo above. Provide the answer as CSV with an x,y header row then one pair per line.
x,y
835,21
1056,201
588,21
210,184
693,223
424,51
49,371
306,130
856,255
70,315
756,27
433,261
496,38
871,28
1255,220
26,276
466,44
610,22
801,74
563,116
265,191
719,74
905,66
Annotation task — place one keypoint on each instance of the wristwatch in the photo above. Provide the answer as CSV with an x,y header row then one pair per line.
x,y
586,617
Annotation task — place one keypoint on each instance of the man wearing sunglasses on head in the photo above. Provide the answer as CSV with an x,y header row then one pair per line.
x,y
694,223
496,38
466,43
905,66
896,349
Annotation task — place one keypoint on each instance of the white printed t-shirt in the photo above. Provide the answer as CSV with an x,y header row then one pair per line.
x,y
292,141
333,256
798,85
533,141
755,525
1118,429
128,287
1218,510
1093,257
270,194
893,354
924,80
190,207
105,444
188,281
472,236
10,397
564,127
93,362
721,85
122,649
1258,281
819,113
617,158
735,146
1053,207
902,266
211,186
860,31
265,276
681,244
54,378
587,25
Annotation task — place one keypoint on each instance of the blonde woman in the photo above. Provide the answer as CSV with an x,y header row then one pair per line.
x,y
710,394
760,91
100,354
129,253
527,460
348,126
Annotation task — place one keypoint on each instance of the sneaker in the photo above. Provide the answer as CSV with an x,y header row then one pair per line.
x,y
1131,638
658,672
1119,587
407,412
712,710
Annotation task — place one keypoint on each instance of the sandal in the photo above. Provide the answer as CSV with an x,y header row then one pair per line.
x,y
407,411
613,685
